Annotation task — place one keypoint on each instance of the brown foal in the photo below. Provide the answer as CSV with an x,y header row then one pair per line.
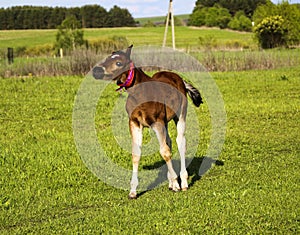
x,y
152,102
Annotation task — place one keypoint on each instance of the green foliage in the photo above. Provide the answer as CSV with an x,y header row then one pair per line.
x,y
118,17
177,21
240,22
208,42
211,17
271,32
89,16
40,50
290,15
247,6
69,35
108,45
93,16
220,13
217,16
198,17
149,24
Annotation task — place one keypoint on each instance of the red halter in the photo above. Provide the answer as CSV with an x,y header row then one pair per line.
x,y
129,79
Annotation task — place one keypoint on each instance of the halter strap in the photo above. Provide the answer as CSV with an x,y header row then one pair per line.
x,y
129,79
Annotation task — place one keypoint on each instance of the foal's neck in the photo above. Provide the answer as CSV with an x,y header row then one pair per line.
x,y
140,76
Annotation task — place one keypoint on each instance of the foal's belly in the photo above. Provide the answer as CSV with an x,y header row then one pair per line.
x,y
146,114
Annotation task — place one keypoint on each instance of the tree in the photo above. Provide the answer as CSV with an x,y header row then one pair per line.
x,y
248,6
217,16
89,16
197,18
93,16
3,19
210,16
118,17
240,22
69,35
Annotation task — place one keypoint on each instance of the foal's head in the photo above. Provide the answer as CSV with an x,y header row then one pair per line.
x,y
114,67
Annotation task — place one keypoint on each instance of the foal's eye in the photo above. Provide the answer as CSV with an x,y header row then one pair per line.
x,y
119,64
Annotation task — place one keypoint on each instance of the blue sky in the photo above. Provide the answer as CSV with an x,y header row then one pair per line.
x,y
138,8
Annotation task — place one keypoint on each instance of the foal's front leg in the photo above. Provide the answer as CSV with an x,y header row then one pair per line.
x,y
137,137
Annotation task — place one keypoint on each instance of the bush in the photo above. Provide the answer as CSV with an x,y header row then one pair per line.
x,y
108,45
240,22
289,13
40,50
198,17
69,35
149,24
211,17
217,16
208,42
271,32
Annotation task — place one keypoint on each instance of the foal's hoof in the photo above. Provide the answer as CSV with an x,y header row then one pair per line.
x,y
132,195
175,189
174,186
184,189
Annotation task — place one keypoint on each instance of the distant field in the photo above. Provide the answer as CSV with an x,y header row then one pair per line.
x,y
186,37
159,18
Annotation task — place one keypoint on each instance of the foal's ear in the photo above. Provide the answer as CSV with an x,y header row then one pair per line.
x,y
128,51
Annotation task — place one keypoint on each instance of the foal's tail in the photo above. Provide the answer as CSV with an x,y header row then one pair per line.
x,y
194,94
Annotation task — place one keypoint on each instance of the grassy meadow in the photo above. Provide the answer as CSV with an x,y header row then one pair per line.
x,y
185,36
45,188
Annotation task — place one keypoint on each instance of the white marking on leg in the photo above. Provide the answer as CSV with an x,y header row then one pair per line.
x,y
181,143
165,151
137,137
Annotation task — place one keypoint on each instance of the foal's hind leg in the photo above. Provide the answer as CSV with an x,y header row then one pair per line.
x,y
181,143
165,151
137,137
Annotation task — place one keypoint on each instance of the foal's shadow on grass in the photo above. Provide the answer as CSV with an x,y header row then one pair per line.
x,y
196,169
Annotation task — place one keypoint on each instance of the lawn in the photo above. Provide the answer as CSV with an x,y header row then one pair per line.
x,y
254,188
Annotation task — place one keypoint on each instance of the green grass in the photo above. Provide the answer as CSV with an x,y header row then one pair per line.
x,y
185,36
46,189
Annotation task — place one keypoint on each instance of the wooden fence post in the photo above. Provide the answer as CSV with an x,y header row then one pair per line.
x,y
10,55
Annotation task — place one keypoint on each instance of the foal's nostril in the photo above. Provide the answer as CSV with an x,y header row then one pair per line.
x,y
98,72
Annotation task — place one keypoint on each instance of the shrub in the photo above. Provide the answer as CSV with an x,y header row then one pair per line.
x,y
271,32
149,24
208,42
108,45
198,17
40,50
217,16
240,22
210,16
290,14
69,35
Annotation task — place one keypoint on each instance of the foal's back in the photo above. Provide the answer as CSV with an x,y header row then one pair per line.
x,y
157,99
172,79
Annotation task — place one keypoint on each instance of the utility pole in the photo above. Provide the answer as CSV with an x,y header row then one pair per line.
x,y
170,15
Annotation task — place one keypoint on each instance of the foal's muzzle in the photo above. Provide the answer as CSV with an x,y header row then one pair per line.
x,y
98,72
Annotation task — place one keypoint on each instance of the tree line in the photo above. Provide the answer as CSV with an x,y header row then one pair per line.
x,y
89,16
273,24
235,14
